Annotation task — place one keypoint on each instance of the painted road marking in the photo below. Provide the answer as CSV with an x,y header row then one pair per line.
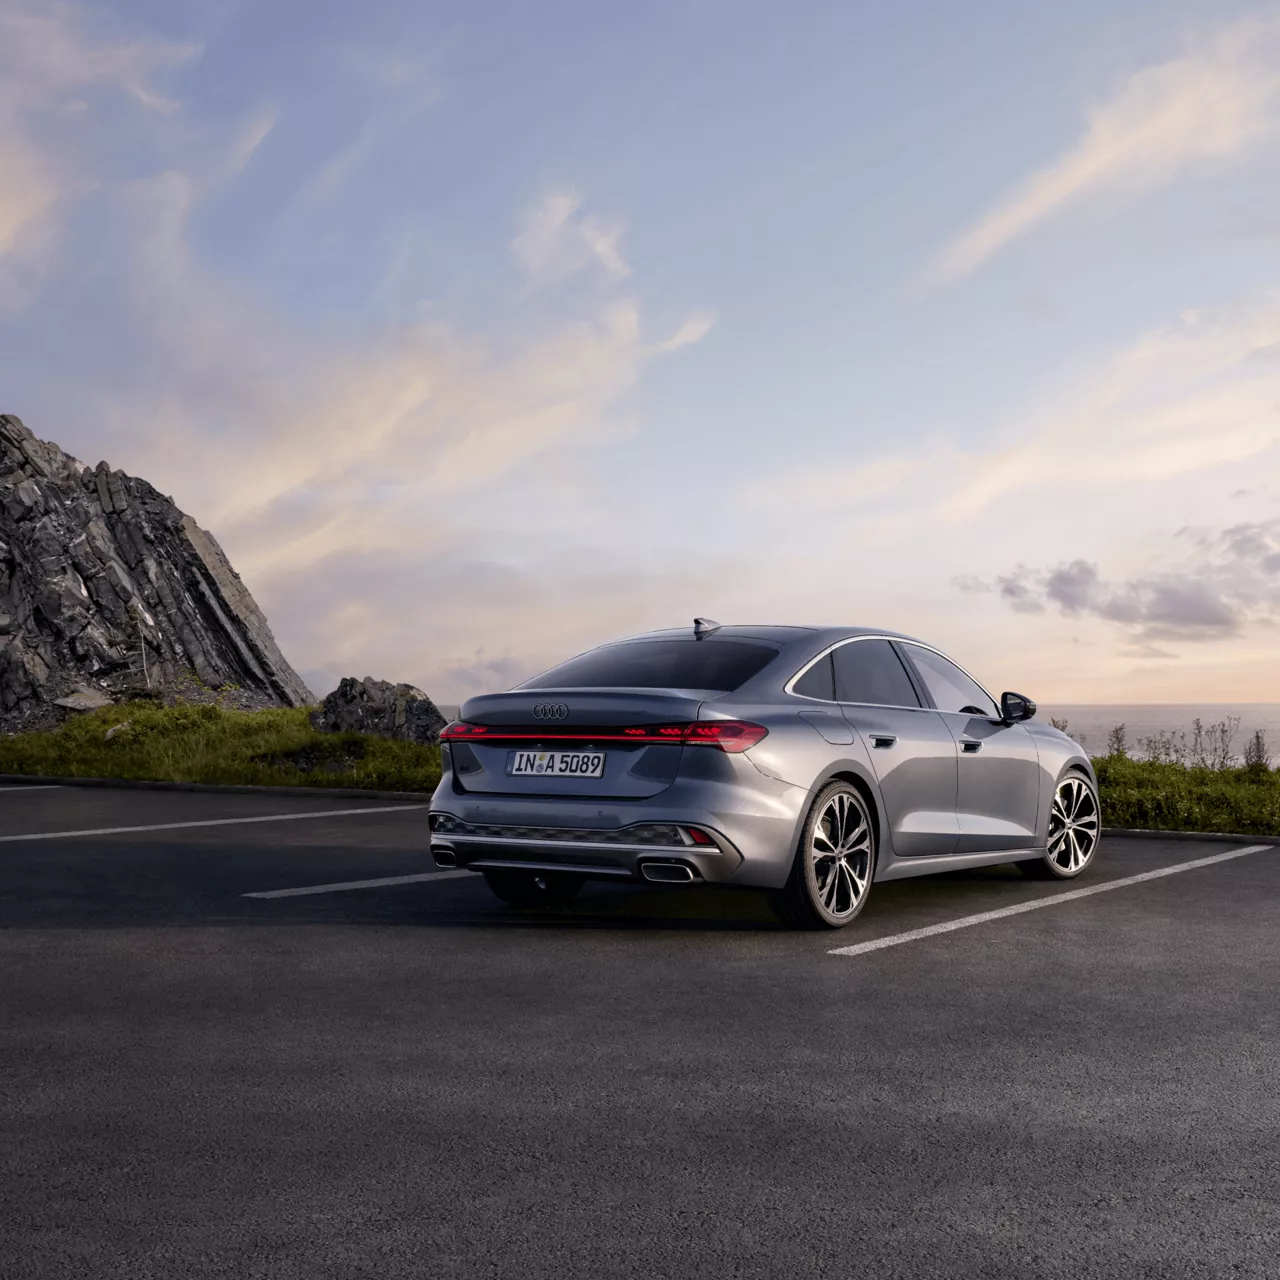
x,y
896,939
39,786
359,884
214,822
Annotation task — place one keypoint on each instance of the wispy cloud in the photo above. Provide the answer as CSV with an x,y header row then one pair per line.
x,y
28,189
313,445
1215,101
696,326
48,50
1197,394
47,58
395,93
251,135
556,241
478,623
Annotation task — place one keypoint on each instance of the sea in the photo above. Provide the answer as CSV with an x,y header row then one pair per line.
x,y
1089,725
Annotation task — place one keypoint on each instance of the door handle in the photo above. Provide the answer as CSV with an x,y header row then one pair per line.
x,y
883,739
971,748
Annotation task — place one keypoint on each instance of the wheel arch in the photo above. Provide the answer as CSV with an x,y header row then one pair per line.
x,y
1052,773
1082,769
1080,763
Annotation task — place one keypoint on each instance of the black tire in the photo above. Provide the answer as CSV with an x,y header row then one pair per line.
x,y
534,888
827,888
1075,827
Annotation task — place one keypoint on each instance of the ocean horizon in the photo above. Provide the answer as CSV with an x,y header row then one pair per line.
x,y
1090,723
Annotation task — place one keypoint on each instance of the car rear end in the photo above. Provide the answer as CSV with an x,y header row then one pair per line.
x,y
638,779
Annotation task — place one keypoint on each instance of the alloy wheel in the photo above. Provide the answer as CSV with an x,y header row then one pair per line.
x,y
840,852
1074,825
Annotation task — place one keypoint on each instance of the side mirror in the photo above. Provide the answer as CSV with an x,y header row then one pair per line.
x,y
1015,707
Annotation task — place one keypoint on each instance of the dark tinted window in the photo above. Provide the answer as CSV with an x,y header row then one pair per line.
x,y
870,671
818,682
949,687
722,665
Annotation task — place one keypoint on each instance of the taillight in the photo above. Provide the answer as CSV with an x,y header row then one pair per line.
x,y
727,735
724,735
460,730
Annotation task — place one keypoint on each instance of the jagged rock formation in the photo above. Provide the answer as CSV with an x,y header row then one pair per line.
x,y
378,706
105,585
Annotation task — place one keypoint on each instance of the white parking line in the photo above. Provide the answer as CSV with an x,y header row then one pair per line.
x,y
213,822
38,786
897,939
358,884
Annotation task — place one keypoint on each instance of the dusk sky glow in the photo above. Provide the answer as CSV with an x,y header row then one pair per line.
x,y
480,333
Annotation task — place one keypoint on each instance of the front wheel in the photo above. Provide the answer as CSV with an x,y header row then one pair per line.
x,y
534,888
1075,825
831,877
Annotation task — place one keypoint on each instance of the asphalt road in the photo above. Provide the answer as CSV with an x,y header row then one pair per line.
x,y
414,1080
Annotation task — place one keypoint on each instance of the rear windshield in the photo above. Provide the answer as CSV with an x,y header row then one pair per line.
x,y
723,665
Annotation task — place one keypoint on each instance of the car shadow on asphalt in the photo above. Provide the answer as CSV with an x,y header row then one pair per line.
x,y
190,892
702,909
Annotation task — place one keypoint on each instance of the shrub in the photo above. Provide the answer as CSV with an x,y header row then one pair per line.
x,y
1173,797
207,743
1256,754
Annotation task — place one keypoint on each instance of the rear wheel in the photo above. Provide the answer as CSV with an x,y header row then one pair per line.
x,y
1075,823
534,888
831,877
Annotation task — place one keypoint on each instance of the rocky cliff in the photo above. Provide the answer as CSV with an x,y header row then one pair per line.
x,y
105,586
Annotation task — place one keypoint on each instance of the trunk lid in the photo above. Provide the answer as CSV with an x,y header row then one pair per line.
x,y
578,720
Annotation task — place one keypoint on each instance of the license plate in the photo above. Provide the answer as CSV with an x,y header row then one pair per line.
x,y
557,764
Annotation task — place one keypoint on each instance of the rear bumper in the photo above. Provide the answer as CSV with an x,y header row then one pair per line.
x,y
624,856
752,830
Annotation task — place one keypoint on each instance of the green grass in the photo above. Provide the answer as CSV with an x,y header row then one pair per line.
x,y
190,743
1172,797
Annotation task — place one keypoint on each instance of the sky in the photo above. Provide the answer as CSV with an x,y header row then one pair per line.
x,y
480,333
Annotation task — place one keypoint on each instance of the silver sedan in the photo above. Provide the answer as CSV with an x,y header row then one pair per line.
x,y
810,762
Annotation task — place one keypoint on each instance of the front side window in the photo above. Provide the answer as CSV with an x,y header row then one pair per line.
x,y
719,665
870,671
949,687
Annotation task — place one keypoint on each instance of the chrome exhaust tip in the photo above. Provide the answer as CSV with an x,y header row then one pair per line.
x,y
444,857
666,872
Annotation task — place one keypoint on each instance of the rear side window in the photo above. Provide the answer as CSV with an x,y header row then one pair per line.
x,y
949,687
722,665
870,671
818,682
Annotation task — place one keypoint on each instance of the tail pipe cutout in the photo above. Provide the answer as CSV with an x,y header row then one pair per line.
x,y
668,872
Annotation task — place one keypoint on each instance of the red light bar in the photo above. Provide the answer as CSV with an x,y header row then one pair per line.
x,y
728,735
725,735
460,729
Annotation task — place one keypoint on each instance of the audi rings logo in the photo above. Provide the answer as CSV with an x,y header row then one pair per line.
x,y
550,711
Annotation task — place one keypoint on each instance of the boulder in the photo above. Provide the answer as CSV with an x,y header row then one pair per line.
x,y
84,699
389,710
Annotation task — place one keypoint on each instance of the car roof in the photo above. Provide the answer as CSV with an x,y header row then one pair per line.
x,y
775,634
770,632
